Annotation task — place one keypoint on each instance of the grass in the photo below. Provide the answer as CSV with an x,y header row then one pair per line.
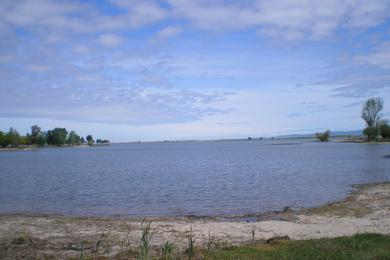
x,y
362,246
191,244
147,233
167,250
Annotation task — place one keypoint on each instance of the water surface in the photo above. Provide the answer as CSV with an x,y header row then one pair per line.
x,y
186,178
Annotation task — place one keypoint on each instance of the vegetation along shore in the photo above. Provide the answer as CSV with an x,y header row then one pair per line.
x,y
58,137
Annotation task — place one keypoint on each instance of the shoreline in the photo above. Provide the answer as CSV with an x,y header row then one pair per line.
x,y
333,140
29,148
366,209
261,216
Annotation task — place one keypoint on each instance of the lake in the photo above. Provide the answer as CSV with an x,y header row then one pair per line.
x,y
186,178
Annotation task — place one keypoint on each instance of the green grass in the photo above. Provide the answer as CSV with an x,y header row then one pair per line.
x,y
363,246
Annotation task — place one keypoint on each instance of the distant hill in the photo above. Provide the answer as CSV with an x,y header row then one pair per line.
x,y
347,133
333,134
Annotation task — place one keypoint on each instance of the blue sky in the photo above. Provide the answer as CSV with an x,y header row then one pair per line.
x,y
179,69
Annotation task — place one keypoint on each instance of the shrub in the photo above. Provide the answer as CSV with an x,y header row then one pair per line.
x,y
323,137
385,130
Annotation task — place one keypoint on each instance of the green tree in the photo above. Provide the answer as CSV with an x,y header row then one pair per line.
x,y
323,137
73,139
41,139
12,138
25,140
2,139
35,133
57,136
372,115
385,130
89,139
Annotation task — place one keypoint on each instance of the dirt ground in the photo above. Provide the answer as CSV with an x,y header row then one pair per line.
x,y
47,236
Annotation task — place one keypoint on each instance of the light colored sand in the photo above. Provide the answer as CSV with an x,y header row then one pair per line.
x,y
366,210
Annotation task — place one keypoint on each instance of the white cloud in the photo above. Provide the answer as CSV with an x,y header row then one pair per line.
x,y
46,13
78,17
110,40
39,68
289,19
80,49
168,31
379,57
137,13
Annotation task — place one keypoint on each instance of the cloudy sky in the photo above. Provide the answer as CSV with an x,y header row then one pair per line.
x,y
192,69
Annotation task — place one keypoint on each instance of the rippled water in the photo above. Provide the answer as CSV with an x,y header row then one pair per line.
x,y
186,178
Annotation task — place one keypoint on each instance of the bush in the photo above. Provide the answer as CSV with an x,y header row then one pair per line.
x,y
371,133
385,131
323,137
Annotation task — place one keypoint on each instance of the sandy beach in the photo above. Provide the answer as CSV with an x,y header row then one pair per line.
x,y
366,210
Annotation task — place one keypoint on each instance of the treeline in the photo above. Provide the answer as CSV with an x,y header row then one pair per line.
x,y
38,137
376,129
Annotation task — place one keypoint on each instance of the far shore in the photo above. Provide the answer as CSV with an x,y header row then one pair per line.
x,y
365,210
32,147
336,140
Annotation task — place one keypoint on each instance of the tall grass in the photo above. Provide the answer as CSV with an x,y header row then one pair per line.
x,y
210,241
81,255
125,244
147,233
191,244
253,233
167,250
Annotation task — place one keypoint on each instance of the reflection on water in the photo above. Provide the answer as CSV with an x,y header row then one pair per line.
x,y
186,178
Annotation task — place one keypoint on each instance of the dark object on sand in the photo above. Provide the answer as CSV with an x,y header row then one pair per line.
x,y
274,240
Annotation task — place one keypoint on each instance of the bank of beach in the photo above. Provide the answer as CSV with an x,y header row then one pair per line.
x,y
366,210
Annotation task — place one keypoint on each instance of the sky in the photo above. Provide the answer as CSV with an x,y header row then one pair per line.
x,y
131,70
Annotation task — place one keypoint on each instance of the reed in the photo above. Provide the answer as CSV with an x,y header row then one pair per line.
x,y
210,241
191,244
147,233
167,250
253,233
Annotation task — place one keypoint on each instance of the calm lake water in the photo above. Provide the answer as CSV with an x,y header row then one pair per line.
x,y
186,178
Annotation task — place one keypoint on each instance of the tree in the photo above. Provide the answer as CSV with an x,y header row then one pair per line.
x,y
323,137
73,139
57,136
385,129
89,139
12,138
25,140
41,140
35,132
371,114
83,140
2,139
